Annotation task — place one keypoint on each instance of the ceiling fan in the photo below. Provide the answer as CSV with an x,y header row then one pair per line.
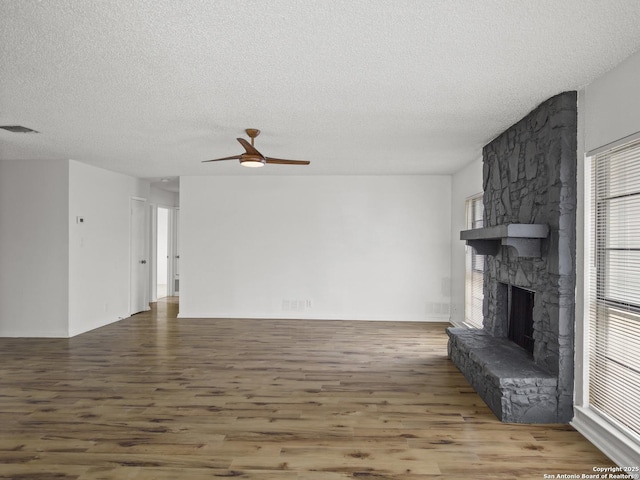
x,y
253,158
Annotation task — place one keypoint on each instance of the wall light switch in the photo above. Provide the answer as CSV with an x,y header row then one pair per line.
x,y
79,219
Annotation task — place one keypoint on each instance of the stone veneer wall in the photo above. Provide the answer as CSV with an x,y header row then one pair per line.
x,y
530,177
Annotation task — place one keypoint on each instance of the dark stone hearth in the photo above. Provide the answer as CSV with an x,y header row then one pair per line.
x,y
529,178
514,388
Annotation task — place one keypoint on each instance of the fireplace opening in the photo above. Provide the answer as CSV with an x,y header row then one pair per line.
x,y
521,318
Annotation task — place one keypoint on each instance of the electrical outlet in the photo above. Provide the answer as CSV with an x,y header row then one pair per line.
x,y
297,305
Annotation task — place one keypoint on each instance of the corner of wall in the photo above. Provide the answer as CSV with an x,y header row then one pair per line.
x,y
99,269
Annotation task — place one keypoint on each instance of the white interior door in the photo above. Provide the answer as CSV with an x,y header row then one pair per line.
x,y
139,296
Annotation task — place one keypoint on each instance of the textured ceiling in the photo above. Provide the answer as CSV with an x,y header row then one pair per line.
x,y
153,87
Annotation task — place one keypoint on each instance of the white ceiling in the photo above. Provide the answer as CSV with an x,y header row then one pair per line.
x,y
151,88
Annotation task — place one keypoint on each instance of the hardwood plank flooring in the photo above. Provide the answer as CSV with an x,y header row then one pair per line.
x,y
153,397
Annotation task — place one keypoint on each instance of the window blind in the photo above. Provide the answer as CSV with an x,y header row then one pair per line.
x,y
474,277
614,330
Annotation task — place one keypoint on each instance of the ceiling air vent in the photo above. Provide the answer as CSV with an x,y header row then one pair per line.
x,y
18,129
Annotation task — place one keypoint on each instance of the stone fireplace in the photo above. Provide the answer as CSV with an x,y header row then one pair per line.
x,y
521,361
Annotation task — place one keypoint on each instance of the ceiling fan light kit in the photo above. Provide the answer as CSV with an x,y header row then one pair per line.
x,y
251,162
253,158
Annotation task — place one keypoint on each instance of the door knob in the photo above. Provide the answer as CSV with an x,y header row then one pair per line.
x,y
143,262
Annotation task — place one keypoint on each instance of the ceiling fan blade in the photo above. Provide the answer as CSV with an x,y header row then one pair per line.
x,y
234,157
249,148
282,161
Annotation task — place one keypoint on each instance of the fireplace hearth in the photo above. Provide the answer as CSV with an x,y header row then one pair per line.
x,y
521,361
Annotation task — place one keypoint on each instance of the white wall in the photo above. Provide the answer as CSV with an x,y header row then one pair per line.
x,y
373,248
612,105
465,183
158,196
608,110
99,275
33,248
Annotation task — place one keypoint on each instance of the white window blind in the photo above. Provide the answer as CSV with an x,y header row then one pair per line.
x,y
614,330
474,277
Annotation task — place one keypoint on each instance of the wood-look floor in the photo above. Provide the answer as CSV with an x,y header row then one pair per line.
x,y
152,397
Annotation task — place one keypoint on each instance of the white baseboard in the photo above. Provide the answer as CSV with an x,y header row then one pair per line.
x,y
615,444
302,316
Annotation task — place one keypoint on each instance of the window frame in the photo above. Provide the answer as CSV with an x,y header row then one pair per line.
x,y
621,444
608,308
473,219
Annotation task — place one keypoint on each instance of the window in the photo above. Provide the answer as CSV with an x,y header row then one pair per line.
x,y
474,277
614,320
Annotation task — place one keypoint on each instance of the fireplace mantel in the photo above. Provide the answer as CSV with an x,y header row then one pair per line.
x,y
525,238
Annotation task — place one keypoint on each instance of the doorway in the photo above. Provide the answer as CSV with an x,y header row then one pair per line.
x,y
165,273
162,253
